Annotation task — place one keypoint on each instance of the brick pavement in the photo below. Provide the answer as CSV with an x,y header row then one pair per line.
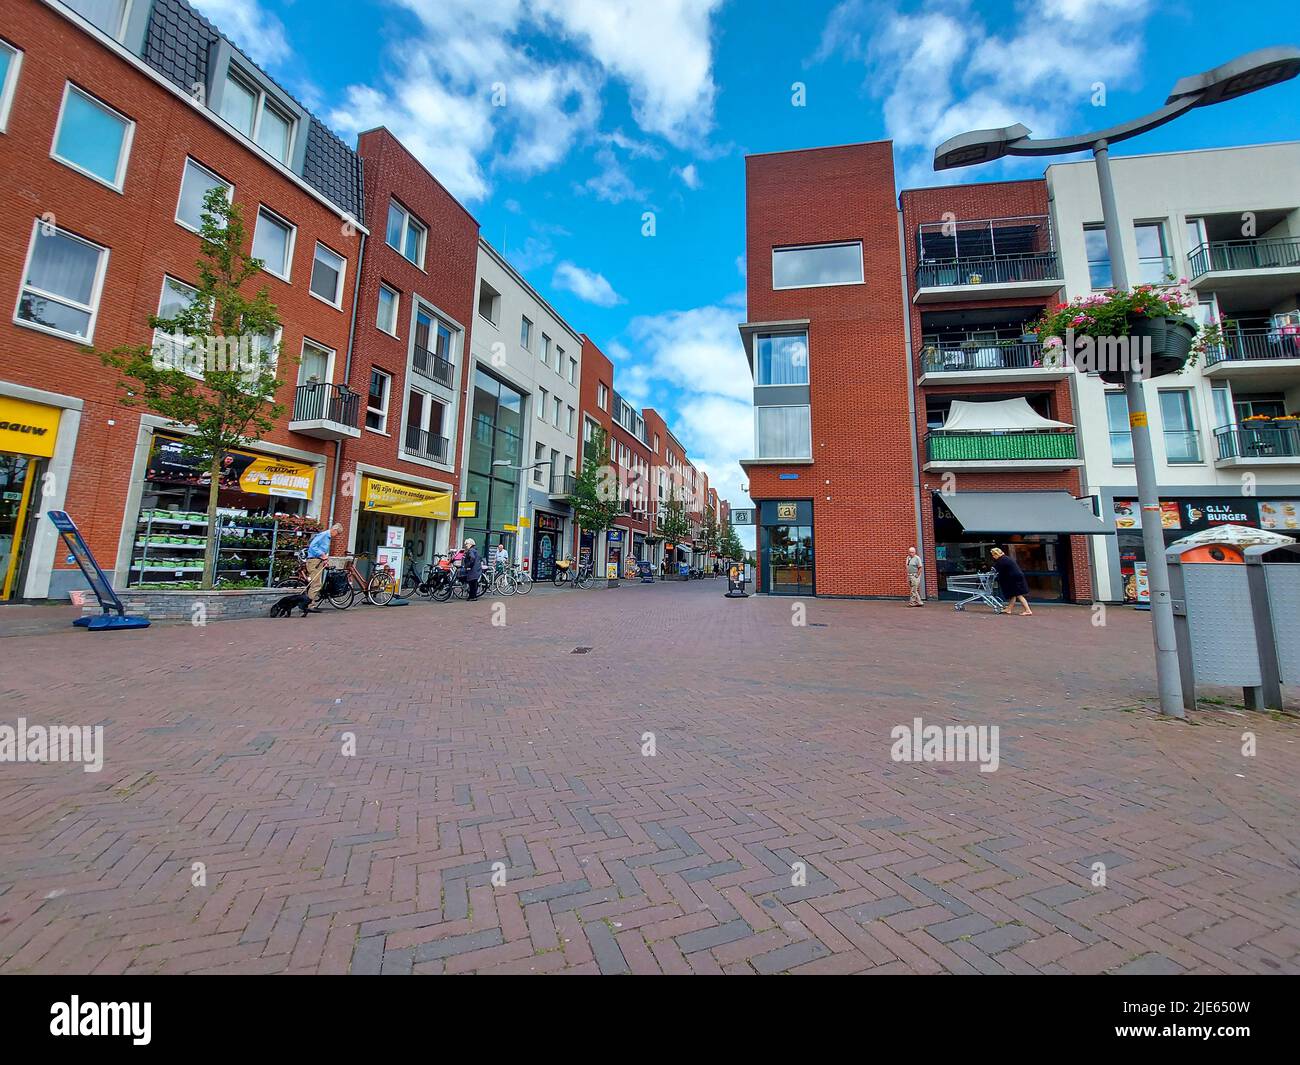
x,y
479,744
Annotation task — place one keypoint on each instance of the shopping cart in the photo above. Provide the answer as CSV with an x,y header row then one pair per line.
x,y
976,587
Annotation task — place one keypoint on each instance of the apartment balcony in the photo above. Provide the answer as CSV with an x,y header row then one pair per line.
x,y
326,411
1266,359
994,450
426,445
562,485
972,362
1266,269
433,366
1244,445
997,258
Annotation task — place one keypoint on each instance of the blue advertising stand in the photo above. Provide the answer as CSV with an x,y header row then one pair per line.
x,y
646,571
108,600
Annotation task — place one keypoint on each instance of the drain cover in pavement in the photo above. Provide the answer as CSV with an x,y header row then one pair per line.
x,y
580,651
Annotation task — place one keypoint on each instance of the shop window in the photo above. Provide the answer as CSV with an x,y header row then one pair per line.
x,y
327,276
387,310
817,265
196,182
92,138
405,234
11,60
61,283
1121,436
377,401
273,243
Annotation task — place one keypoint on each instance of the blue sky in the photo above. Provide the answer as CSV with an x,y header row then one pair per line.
x,y
559,123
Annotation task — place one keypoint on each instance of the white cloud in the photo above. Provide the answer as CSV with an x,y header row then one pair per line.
x,y
587,285
689,175
256,32
613,183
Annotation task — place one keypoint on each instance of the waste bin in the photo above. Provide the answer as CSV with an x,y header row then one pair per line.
x,y
1236,618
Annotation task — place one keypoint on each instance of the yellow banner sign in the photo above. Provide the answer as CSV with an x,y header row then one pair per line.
x,y
28,428
389,497
467,508
269,476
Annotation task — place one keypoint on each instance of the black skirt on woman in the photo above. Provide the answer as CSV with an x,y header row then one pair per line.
x,y
1011,578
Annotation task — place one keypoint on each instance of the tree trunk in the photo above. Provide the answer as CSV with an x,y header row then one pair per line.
x,y
214,489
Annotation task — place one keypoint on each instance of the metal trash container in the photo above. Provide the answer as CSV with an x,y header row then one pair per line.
x,y
1273,575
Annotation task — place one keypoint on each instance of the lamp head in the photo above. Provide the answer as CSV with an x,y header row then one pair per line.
x,y
1237,77
977,146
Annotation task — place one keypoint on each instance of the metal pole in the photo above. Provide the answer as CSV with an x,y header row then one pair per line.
x,y
1168,681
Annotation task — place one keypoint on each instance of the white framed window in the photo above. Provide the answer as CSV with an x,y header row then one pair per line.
x,y
107,15
63,279
92,138
573,371
256,115
327,271
555,416
317,363
1182,439
781,433
169,348
817,265
381,387
782,359
11,61
386,311
196,182
526,334
602,395
541,404
1121,434
273,243
571,416
546,350
405,234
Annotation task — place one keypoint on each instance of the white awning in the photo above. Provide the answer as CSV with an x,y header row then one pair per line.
x,y
1236,535
985,415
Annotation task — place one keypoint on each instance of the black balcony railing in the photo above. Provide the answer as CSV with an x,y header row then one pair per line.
x,y
982,355
1260,253
562,484
1011,445
323,401
433,366
1246,441
426,445
992,270
1245,345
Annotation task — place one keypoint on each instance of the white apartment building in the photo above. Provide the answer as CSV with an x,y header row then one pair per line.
x,y
521,433
1228,220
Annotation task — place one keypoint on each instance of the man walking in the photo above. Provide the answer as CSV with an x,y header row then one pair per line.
x,y
318,556
914,578
472,564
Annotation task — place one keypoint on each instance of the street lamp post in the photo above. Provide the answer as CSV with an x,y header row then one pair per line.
x,y
507,464
1245,74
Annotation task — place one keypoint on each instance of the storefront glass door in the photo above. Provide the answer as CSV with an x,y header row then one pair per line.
x,y
789,550
16,475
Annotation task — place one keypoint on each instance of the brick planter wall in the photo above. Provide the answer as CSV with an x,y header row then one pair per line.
x,y
179,605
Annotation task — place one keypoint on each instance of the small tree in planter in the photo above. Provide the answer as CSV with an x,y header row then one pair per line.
x,y
1154,312
674,525
227,341
595,500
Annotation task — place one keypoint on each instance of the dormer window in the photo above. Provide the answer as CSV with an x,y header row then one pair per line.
x,y
256,115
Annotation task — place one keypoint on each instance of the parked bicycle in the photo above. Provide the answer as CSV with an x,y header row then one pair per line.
x,y
424,579
378,589
577,574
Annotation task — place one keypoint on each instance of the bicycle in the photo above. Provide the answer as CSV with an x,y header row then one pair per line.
x,y
378,589
523,581
567,572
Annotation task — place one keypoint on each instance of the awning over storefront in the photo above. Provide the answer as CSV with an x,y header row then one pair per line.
x,y
389,497
1024,512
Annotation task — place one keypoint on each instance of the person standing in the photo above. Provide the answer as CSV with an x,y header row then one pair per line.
x,y
318,556
472,565
1011,580
502,559
914,566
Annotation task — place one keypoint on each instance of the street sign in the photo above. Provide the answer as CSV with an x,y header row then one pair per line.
x,y
742,517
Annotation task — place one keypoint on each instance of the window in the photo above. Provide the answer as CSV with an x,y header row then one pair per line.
x,y
404,234
315,366
526,334
11,59
573,371
256,116
273,243
555,417
656,443
1222,406
1094,240
1154,265
822,264
377,401
559,360
424,426
61,283
92,138
386,313
602,396
546,350
489,302
107,15
1182,442
1121,436
541,403
571,416
783,432
169,348
196,183
539,456
782,359
327,275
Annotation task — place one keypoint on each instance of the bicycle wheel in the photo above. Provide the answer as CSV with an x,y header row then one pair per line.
x,y
460,589
523,583
410,584
443,592
582,578
344,599
381,588
291,582
557,578
505,583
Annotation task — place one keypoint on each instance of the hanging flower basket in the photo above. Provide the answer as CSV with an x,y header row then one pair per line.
x,y
1171,341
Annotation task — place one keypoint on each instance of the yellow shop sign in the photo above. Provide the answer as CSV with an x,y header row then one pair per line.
x,y
28,428
389,497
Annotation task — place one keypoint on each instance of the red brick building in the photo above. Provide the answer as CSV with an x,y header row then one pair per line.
x,y
981,263
832,477
106,150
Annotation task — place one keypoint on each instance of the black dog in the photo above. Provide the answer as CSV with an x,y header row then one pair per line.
x,y
285,607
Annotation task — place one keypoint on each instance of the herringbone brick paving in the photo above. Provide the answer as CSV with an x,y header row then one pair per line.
x,y
479,744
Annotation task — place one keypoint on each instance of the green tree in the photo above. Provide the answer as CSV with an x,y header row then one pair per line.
x,y
596,501
674,525
730,543
216,374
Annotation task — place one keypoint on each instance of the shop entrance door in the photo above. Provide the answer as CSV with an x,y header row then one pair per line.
x,y
789,553
17,472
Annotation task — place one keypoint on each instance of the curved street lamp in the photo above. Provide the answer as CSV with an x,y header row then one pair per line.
x,y
1245,74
